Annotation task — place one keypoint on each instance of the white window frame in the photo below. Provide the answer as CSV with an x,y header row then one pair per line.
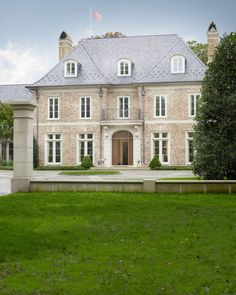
x,y
85,140
118,107
187,139
53,98
179,58
69,75
54,148
196,97
160,145
125,61
80,108
155,99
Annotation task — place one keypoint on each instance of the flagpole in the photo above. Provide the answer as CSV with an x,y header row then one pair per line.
x,y
90,20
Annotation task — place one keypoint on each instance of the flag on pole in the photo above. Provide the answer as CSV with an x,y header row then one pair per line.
x,y
97,16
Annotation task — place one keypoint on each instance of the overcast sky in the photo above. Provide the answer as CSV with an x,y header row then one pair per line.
x,y
29,29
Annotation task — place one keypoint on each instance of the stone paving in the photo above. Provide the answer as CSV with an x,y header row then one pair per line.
x,y
5,176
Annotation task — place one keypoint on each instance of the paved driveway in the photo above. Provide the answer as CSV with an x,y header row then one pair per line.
x,y
5,176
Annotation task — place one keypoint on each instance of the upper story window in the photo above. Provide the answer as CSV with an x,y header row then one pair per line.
x,y
85,107
177,64
193,98
160,106
53,108
124,67
123,107
70,69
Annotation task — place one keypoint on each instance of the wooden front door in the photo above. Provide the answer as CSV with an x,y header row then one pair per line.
x,y
122,148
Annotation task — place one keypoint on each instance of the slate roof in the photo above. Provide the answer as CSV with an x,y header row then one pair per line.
x,y
15,92
150,56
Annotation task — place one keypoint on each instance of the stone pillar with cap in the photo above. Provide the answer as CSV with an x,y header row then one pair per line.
x,y
23,118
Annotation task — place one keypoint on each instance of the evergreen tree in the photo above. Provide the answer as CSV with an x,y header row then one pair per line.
x,y
215,136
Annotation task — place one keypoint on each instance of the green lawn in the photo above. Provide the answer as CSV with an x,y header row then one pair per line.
x,y
111,243
90,172
182,178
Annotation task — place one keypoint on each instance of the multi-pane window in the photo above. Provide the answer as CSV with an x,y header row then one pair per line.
x,y
124,67
161,146
177,64
123,107
160,106
85,146
70,69
190,149
193,98
85,107
53,108
53,148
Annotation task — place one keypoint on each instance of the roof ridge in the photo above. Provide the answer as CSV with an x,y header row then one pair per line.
x,y
91,60
160,59
125,37
185,44
60,61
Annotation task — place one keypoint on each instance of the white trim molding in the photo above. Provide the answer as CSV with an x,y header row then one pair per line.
x,y
160,96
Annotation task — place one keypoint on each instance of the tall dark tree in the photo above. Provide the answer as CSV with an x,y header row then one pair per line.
x,y
215,136
199,49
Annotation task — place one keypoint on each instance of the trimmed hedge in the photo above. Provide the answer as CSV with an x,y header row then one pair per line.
x,y
51,167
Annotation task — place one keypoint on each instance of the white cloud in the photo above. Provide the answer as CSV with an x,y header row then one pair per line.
x,y
20,64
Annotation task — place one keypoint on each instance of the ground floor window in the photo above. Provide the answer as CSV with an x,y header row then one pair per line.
x,y
161,146
190,149
53,148
86,146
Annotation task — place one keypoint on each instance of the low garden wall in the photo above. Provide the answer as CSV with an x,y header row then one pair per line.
x,y
149,186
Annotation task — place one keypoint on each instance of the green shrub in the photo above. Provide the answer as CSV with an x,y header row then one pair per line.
x,y
86,163
155,163
5,163
58,167
35,153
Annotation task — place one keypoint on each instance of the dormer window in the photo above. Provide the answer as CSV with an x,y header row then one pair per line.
x,y
124,67
70,69
177,64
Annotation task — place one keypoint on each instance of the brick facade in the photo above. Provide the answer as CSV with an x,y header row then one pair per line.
x,y
176,123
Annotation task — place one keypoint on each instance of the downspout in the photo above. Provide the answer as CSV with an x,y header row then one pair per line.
x,y
143,118
101,118
37,119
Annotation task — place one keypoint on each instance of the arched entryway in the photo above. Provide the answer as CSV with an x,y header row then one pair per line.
x,y
122,148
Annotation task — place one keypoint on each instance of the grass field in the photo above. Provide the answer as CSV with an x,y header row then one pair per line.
x,y
111,243
90,172
182,178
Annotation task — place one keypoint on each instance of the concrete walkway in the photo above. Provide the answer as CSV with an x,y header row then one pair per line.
x,y
5,176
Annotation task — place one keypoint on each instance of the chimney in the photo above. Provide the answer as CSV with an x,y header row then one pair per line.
x,y
212,40
65,45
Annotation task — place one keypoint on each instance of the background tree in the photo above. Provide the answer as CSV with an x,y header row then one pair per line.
x,y
199,49
6,121
215,136
35,153
110,35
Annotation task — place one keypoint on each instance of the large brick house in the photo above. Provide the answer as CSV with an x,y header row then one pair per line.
x,y
120,100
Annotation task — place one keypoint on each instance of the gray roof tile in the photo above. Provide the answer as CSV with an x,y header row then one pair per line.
x,y
15,92
150,56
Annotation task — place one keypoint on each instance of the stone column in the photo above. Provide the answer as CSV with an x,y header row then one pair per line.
x,y
23,116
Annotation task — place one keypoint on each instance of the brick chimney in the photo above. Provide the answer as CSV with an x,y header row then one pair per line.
x,y
212,40
65,45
